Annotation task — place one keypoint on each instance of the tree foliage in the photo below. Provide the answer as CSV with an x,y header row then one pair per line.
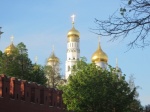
x,y
53,76
18,64
147,108
37,74
134,19
92,89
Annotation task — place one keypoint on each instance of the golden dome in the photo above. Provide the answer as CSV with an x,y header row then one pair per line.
x,y
10,49
53,58
73,31
99,56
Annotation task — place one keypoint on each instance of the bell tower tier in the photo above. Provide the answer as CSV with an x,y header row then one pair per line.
x,y
73,48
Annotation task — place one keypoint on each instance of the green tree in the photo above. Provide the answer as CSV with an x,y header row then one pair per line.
x,y
136,106
9,65
18,64
24,61
134,18
37,75
52,75
147,108
92,89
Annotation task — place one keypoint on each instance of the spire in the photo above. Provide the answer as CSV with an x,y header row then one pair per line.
x,y
116,62
12,38
36,59
99,47
53,54
117,69
53,49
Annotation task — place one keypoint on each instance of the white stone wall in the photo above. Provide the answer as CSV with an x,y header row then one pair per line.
x,y
103,65
73,54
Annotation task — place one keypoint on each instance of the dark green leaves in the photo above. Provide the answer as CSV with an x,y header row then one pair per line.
x,y
92,89
18,64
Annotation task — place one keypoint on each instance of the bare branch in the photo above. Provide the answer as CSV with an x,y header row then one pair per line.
x,y
134,19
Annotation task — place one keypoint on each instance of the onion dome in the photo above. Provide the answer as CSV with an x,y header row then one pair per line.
x,y
73,32
10,49
99,56
53,58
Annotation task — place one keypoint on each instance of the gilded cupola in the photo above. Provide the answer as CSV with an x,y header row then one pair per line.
x,y
11,48
99,55
53,58
73,34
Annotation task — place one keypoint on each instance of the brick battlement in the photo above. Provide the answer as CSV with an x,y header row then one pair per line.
x,y
22,96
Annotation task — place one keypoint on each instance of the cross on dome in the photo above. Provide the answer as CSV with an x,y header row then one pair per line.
x,y
53,48
36,59
116,62
99,38
12,38
73,17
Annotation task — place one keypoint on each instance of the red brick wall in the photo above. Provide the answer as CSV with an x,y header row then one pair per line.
x,y
22,96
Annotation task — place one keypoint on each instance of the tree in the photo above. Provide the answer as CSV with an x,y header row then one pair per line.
x,y
24,62
52,75
37,75
18,64
93,89
22,49
9,65
147,108
135,106
134,19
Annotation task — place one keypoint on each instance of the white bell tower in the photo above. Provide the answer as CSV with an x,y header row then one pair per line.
x,y
73,48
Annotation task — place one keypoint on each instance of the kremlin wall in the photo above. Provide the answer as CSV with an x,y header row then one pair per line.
x,y
21,96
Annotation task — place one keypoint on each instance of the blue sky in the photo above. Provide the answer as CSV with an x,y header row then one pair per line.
x,y
40,24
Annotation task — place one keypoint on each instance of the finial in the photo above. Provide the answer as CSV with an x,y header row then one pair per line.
x,y
36,59
116,62
99,42
73,17
53,48
12,38
99,38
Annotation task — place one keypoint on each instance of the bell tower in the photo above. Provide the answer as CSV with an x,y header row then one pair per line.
x,y
73,48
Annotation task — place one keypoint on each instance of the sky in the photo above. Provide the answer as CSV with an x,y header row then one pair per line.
x,y
41,24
